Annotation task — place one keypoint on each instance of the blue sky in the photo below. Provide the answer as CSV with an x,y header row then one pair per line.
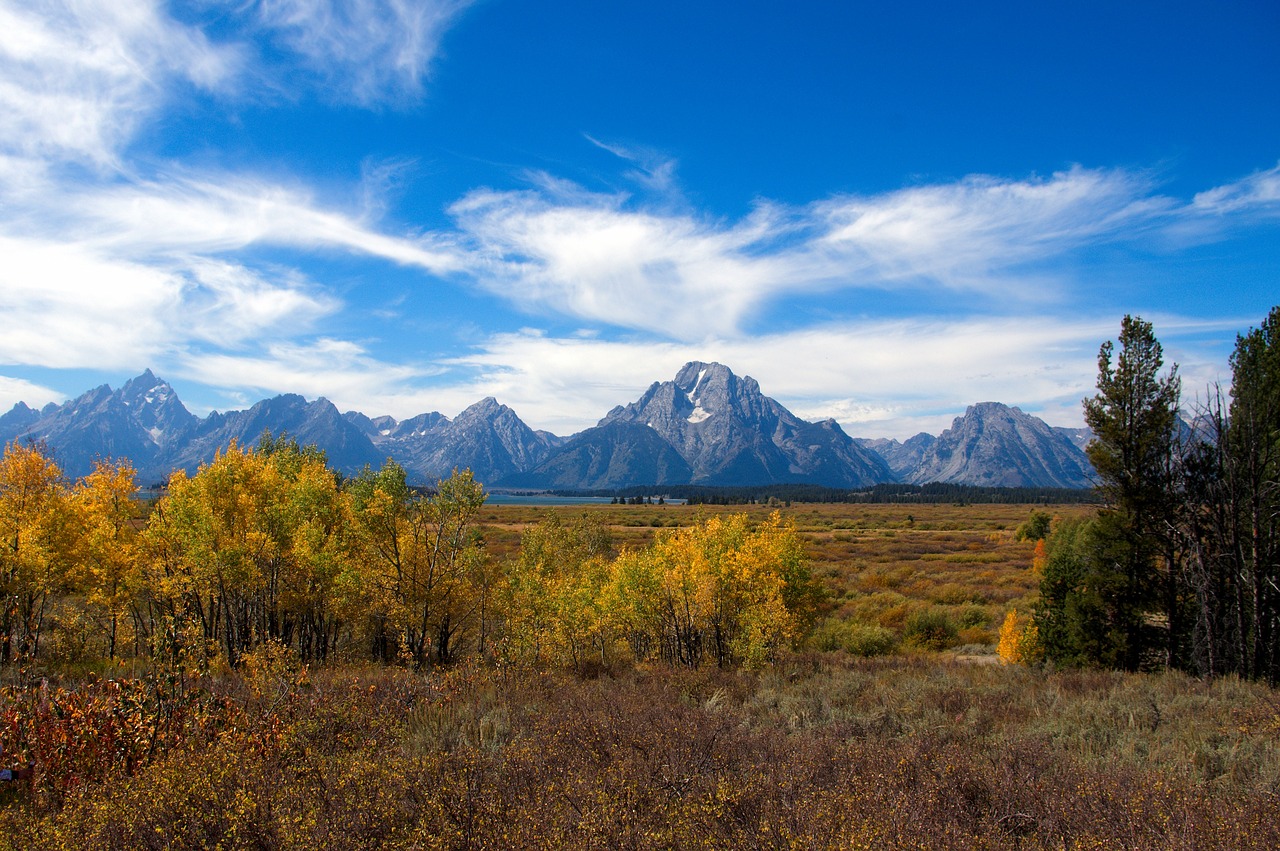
x,y
882,212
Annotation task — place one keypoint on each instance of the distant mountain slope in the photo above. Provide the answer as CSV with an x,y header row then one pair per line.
x,y
707,426
488,438
902,458
994,445
318,422
729,433
613,455
142,421
18,420
1079,437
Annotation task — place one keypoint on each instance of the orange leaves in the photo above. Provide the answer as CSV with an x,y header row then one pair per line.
x,y
104,729
254,548
423,562
1040,558
720,590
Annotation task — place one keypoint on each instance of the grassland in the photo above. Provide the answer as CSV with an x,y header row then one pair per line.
x,y
880,564
867,745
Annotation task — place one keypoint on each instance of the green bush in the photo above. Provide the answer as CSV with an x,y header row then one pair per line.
x,y
860,639
1035,527
930,629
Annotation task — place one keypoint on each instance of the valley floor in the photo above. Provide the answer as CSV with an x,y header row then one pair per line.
x,y
818,751
880,734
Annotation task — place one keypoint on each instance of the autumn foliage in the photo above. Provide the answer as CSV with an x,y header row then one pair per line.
x,y
271,656
812,752
267,545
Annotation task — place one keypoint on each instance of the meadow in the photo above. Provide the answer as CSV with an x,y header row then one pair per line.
x,y
883,566
893,726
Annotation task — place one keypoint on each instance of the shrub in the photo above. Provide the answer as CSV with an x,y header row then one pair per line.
x,y
857,638
930,629
1019,640
1035,527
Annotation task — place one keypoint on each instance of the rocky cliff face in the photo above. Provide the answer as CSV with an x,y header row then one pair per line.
x,y
142,421
488,438
318,422
995,445
706,426
729,433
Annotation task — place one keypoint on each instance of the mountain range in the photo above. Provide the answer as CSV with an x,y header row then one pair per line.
x,y
707,426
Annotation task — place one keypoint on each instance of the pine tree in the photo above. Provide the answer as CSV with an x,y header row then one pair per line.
x,y
1253,453
1132,571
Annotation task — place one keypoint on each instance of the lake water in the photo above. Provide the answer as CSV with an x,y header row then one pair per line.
x,y
547,499
544,499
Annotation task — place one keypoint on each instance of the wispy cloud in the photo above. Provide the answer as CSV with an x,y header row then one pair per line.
x,y
653,171
877,378
604,258
973,233
214,213
69,305
15,390
66,307
594,259
340,370
138,268
365,52
77,78
1258,192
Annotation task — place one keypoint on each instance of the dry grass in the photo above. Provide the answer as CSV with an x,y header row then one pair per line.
x,y
820,749
879,563
816,752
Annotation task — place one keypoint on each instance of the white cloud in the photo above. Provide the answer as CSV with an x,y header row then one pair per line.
x,y
594,260
971,233
76,78
339,370
126,274
877,379
1258,191
208,214
15,390
228,305
67,307
70,305
362,51
654,171
602,258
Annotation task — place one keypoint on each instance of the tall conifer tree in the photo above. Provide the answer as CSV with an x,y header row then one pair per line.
x,y
1134,418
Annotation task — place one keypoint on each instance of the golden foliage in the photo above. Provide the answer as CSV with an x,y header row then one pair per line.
x,y
1019,640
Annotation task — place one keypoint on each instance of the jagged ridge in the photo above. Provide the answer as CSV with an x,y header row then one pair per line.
x,y
707,426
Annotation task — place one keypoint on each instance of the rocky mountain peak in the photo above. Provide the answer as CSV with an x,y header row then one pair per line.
x,y
711,388
19,418
707,425
997,445
486,409
155,406
728,432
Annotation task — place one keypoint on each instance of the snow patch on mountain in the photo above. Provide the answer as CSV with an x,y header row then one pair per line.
x,y
699,415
